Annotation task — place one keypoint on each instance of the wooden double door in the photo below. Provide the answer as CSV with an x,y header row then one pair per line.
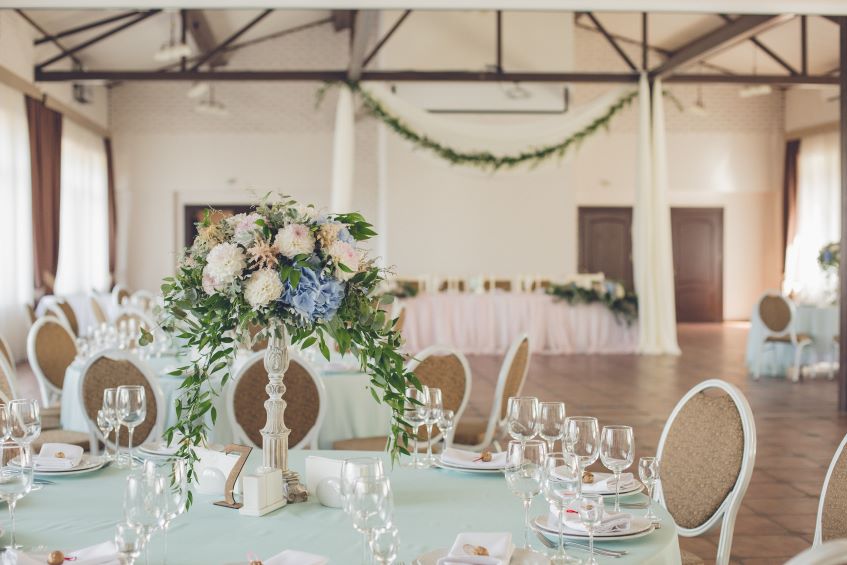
x,y
605,245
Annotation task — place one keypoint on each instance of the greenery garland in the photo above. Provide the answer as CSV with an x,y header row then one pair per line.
x,y
622,303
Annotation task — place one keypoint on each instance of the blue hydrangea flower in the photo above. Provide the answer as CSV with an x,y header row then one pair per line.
x,y
344,235
316,297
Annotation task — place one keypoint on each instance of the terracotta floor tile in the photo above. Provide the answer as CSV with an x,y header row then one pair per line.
x,y
768,546
796,523
770,506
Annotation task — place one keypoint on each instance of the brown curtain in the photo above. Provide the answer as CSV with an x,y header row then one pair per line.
x,y
113,215
45,147
789,195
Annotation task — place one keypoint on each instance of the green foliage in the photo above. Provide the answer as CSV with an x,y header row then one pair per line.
x,y
622,303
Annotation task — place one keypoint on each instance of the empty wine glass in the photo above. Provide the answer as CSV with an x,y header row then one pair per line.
x,y
446,423
175,474
561,482
551,423
433,412
590,508
5,424
110,409
132,410
648,472
354,469
522,417
128,542
617,451
144,504
524,467
104,424
15,478
385,544
582,436
414,413
371,507
25,420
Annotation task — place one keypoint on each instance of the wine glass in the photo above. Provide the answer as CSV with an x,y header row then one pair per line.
x,y
15,478
5,424
110,409
371,507
561,482
385,544
446,423
590,509
522,417
25,420
144,504
128,542
617,450
132,409
648,472
414,413
354,469
551,423
433,412
104,424
582,435
175,474
524,465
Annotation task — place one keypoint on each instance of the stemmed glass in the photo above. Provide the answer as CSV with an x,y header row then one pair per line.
x,y
104,424
617,450
385,544
371,507
25,420
15,478
648,472
354,469
5,424
522,417
590,508
175,474
446,423
551,423
582,435
414,413
561,482
110,410
524,466
132,410
128,542
144,504
433,413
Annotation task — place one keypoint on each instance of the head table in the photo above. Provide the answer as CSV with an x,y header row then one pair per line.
x,y
431,507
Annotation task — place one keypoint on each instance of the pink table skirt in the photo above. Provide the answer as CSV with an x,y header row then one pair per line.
x,y
488,323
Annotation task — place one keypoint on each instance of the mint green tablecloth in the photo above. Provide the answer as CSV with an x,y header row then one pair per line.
x,y
432,506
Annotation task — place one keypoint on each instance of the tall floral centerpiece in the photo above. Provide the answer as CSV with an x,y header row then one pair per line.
x,y
302,278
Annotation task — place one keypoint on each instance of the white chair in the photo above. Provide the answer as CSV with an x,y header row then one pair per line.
x,y
142,318
446,369
778,315
6,353
120,294
7,381
832,507
51,348
707,452
111,369
97,309
245,397
143,299
479,434
62,309
830,553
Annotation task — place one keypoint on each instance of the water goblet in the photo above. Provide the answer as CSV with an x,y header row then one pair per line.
x,y
110,409
590,509
15,478
132,410
617,450
175,474
354,469
551,423
414,413
385,544
25,420
582,437
128,542
371,507
561,482
433,412
104,424
446,423
144,504
648,472
524,466
522,417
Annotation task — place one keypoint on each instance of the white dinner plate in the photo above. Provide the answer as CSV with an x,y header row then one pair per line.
x,y
638,527
158,449
450,467
88,464
519,557
633,489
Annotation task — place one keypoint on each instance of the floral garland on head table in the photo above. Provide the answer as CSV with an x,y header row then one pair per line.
x,y
283,263
622,303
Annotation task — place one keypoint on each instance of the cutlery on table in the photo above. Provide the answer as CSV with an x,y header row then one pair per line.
x,y
576,545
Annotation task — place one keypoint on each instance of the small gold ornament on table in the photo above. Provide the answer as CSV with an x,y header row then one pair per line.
x,y
55,558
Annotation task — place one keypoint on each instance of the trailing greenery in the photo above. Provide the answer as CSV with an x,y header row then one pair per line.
x,y
622,303
829,257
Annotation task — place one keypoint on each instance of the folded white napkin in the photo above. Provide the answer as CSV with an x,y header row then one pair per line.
x,y
41,463
61,451
612,522
605,482
499,546
462,458
101,554
294,557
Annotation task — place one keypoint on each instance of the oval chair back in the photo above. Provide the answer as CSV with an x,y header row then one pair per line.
x,y
446,369
29,310
832,507
142,320
62,310
143,300
51,348
305,397
7,381
119,294
97,310
111,369
707,452
6,353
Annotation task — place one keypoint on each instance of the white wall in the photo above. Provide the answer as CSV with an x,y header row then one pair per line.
x,y
811,107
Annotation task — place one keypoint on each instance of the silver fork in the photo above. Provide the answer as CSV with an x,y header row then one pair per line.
x,y
570,544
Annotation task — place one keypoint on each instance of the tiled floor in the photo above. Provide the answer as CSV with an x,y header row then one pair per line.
x,y
798,425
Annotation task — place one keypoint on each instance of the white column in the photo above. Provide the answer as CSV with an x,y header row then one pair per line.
x,y
343,150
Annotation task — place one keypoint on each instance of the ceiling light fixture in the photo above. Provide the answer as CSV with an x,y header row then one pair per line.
x,y
698,108
173,50
212,107
198,90
755,90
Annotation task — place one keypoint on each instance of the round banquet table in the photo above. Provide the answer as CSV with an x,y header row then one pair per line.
x,y
488,323
351,410
431,508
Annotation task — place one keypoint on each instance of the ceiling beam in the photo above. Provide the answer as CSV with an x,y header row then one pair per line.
x,y
767,50
231,39
612,42
44,32
753,79
98,38
385,38
363,29
717,40
85,27
201,31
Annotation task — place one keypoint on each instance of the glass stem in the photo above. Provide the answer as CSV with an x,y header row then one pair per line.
x,y
12,519
617,491
562,553
526,503
415,452
429,442
365,556
165,535
129,447
591,543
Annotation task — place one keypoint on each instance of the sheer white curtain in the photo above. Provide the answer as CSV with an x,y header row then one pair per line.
x,y
818,218
16,283
84,214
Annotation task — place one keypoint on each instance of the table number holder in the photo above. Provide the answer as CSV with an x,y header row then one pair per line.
x,y
243,453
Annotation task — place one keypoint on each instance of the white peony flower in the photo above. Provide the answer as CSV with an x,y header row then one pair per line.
x,y
244,227
295,239
307,213
348,255
263,288
225,263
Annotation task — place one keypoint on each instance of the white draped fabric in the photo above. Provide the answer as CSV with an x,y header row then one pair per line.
x,y
652,251
15,219
343,153
83,214
818,218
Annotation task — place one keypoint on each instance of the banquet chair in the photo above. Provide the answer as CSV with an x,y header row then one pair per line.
x,y
479,433
129,313
143,300
707,450
120,294
832,507
29,310
6,353
830,553
97,310
111,369
778,315
51,349
304,393
7,381
63,310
